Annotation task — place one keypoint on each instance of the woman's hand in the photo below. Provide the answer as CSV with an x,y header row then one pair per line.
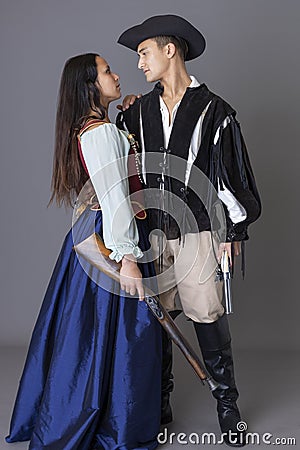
x,y
227,246
131,277
128,101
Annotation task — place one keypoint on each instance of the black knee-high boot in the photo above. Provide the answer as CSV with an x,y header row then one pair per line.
x,y
167,383
215,343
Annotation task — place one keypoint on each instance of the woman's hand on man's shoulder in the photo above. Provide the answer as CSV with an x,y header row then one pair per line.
x,y
128,101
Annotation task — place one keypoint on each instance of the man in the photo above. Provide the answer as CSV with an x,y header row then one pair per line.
x,y
182,118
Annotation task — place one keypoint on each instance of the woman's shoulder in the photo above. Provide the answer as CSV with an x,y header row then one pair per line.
x,y
92,125
106,135
104,129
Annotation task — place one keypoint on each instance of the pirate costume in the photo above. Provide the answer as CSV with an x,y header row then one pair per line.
x,y
205,134
94,359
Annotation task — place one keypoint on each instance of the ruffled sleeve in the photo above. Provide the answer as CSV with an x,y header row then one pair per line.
x,y
105,151
236,182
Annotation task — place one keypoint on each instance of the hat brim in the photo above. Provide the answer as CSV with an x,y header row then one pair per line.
x,y
167,25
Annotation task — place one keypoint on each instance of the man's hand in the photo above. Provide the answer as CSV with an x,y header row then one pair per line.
x,y
128,101
227,246
131,277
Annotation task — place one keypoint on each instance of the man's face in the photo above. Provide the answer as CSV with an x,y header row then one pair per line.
x,y
152,60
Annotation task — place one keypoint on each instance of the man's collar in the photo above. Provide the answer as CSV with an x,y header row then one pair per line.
x,y
194,82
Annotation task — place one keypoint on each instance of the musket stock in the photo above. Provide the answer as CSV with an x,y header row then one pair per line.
x,y
94,251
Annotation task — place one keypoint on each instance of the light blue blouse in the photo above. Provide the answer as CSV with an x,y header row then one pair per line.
x,y
105,151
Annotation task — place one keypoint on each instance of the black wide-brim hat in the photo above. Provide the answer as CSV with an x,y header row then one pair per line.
x,y
167,25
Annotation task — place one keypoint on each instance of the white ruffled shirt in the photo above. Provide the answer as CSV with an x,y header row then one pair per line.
x,y
105,152
236,211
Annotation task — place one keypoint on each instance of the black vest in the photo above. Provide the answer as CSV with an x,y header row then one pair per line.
x,y
191,107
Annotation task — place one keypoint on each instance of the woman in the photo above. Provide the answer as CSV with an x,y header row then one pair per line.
x,y
92,374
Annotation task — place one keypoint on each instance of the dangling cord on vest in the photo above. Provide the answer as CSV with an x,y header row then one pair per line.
x,y
243,255
184,192
162,216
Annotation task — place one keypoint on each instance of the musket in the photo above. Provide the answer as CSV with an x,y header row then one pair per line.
x,y
225,267
94,251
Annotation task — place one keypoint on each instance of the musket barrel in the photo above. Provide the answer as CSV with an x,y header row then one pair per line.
x,y
228,301
225,267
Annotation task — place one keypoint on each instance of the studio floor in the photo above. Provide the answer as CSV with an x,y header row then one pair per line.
x,y
268,382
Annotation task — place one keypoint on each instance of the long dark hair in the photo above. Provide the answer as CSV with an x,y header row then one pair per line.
x,y
78,95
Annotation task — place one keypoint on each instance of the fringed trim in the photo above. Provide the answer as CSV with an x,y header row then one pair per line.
x,y
239,151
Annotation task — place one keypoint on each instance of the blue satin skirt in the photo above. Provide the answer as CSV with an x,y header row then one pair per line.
x,y
93,370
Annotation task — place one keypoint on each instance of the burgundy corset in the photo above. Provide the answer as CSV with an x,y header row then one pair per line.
x,y
135,185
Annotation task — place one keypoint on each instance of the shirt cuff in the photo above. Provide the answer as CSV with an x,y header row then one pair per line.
x,y
237,232
126,249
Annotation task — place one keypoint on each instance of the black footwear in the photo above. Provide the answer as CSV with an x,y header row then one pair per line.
x,y
215,343
229,420
166,410
167,383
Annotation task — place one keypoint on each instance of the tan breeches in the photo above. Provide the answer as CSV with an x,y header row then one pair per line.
x,y
189,270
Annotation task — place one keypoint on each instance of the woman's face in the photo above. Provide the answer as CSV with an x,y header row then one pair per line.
x,y
107,82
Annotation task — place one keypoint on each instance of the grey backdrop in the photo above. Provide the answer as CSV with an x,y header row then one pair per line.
x,y
252,59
